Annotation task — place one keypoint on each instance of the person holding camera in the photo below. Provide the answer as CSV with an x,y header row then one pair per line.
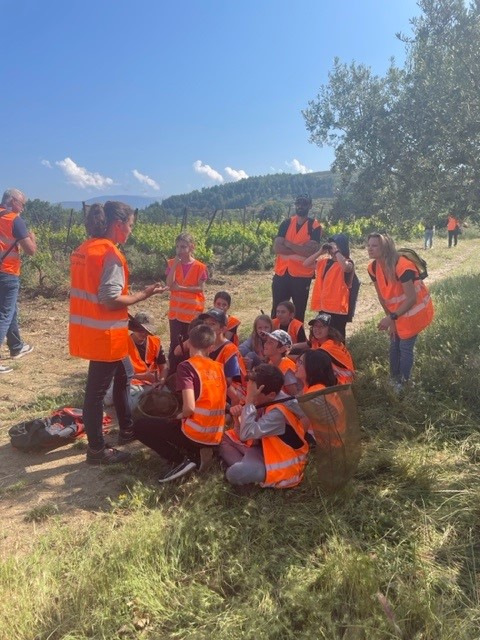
x,y
334,274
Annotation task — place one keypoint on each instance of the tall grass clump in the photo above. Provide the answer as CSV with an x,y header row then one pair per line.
x,y
394,555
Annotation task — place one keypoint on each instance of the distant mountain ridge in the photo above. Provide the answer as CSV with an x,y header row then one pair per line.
x,y
233,195
136,202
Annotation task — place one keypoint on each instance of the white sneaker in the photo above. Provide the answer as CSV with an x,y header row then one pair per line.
x,y
5,369
24,351
178,471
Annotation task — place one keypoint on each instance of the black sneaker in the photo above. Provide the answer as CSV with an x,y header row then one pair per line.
x,y
178,471
107,455
125,437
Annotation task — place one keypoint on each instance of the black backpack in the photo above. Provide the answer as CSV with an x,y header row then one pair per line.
x,y
45,434
412,255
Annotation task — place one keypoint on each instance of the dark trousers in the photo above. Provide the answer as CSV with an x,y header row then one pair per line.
x,y
452,235
287,287
177,329
100,375
167,438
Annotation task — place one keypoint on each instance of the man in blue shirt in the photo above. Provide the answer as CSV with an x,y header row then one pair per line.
x,y
13,234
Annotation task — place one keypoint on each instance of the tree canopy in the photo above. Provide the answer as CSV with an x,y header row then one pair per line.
x,y
407,143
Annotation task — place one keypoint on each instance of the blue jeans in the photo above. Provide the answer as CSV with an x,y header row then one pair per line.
x,y
9,287
428,238
100,375
401,357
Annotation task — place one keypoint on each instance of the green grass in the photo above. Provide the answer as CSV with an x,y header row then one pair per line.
x,y
394,555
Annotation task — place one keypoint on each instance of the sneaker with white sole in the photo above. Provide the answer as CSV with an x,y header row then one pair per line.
x,y
24,351
5,369
178,471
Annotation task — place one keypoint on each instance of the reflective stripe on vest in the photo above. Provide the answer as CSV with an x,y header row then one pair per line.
x,y
207,422
11,263
284,465
96,332
420,315
152,349
294,264
186,305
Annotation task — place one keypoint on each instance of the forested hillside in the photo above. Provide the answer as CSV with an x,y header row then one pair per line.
x,y
253,191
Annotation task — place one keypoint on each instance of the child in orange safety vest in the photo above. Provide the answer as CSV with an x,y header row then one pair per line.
x,y
278,455
188,440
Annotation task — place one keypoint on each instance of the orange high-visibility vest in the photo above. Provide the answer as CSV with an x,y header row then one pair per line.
x,y
342,362
152,349
95,332
228,351
207,422
294,263
233,323
11,264
452,223
286,455
330,292
417,317
186,305
293,328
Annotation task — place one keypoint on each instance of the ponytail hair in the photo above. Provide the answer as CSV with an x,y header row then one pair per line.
x,y
100,218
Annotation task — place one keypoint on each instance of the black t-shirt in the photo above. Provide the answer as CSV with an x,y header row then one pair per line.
x,y
142,350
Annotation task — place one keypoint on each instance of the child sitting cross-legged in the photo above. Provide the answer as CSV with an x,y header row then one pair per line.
x,y
188,440
269,448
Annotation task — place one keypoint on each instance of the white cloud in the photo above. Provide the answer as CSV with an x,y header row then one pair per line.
x,y
46,163
207,170
236,174
81,177
298,166
146,180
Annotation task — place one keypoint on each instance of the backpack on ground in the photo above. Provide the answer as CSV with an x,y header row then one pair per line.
x,y
45,434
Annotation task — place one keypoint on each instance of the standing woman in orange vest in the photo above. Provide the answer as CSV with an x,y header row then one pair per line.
x,y
334,277
297,238
186,279
98,327
405,300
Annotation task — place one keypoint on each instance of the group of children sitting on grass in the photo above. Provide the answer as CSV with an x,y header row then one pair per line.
x,y
236,398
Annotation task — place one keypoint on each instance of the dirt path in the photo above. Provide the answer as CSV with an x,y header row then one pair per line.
x,y
49,378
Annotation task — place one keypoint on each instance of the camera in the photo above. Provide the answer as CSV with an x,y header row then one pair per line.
x,y
326,248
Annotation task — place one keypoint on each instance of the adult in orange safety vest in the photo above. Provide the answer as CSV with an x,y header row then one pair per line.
x,y
279,456
453,229
98,327
297,238
405,300
187,442
13,234
186,279
334,275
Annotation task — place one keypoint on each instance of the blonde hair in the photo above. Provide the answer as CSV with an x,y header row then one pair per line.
x,y
389,253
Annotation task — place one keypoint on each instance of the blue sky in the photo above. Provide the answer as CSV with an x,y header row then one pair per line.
x,y
155,98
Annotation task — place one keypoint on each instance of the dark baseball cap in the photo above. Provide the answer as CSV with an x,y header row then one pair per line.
x,y
303,200
217,314
324,318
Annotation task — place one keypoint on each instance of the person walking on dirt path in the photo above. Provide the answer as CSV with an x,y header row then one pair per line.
x,y
297,238
453,229
13,234
98,327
